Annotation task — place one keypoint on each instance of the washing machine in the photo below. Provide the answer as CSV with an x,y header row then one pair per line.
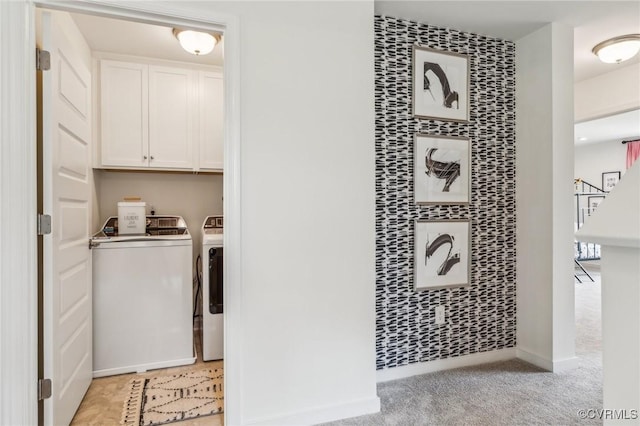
x,y
142,297
212,288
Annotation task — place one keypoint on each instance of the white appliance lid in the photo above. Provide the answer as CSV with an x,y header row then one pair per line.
x,y
140,242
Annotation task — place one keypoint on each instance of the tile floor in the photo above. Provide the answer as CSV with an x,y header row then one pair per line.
x,y
102,405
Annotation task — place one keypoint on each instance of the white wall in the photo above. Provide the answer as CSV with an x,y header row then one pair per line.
x,y
603,95
308,210
307,199
562,161
307,107
591,160
608,94
544,169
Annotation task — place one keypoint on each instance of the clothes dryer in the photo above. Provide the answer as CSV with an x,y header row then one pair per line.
x,y
212,288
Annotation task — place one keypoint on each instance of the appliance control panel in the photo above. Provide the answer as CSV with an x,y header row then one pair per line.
x,y
156,225
214,224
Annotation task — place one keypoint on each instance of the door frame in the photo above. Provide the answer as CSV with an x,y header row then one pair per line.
x,y
18,242
18,18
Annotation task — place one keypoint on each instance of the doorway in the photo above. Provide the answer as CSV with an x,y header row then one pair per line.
x,y
600,155
228,25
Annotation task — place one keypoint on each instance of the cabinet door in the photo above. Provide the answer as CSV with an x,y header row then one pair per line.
x,y
124,114
211,121
170,117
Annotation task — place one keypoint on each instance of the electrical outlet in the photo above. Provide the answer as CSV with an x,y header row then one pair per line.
x,y
440,314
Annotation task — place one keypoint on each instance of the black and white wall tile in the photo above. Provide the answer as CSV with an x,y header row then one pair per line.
x,y
482,316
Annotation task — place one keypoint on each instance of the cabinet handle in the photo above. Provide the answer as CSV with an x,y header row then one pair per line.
x,y
144,157
152,157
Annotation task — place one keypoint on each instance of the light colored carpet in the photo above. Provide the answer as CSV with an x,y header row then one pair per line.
x,y
167,399
502,393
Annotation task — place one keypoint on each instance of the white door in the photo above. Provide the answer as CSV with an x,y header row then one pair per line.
x,y
171,117
66,111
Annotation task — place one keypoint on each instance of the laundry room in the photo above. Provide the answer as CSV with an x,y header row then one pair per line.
x,y
131,131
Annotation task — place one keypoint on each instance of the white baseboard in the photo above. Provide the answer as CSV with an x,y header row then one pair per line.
x,y
141,368
322,414
537,360
444,364
565,364
545,363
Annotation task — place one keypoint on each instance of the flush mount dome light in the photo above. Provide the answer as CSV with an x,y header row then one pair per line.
x,y
618,49
196,42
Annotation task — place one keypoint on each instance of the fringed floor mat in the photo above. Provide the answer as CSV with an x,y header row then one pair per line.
x,y
168,399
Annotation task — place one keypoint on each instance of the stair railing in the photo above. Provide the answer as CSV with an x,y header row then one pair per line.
x,y
585,251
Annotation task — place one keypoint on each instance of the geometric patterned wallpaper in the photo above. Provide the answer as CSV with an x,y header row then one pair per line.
x,y
480,317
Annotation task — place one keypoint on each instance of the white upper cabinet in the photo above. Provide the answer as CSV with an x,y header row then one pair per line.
x,y
160,117
124,114
171,109
211,121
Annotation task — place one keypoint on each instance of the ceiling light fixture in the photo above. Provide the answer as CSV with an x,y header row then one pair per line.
x,y
196,42
618,49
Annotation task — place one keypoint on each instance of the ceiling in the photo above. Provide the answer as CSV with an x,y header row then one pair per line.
x,y
615,128
139,39
593,22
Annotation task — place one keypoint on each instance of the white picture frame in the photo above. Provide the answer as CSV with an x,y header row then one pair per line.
x,y
442,253
441,169
440,84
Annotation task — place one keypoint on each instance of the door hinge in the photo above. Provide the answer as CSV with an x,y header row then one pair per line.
x,y
44,224
43,60
44,389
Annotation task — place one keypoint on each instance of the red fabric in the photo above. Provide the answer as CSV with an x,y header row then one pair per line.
x,y
633,152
